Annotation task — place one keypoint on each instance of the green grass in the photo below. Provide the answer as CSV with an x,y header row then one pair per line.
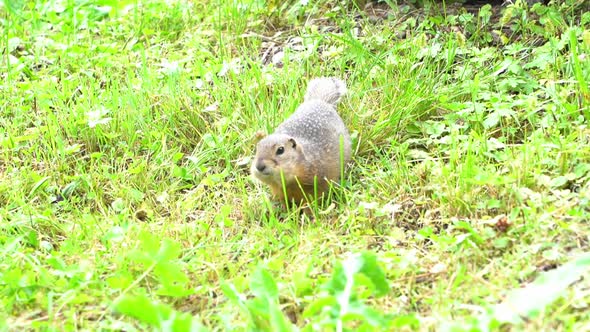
x,y
127,129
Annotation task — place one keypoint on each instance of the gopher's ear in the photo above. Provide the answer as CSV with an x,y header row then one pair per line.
x,y
293,143
296,146
259,135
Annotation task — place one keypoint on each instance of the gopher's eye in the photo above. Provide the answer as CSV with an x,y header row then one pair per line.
x,y
280,150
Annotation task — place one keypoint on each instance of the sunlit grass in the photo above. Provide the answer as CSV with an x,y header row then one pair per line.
x,y
127,129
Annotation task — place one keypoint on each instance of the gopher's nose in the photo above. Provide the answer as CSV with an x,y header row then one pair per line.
x,y
260,166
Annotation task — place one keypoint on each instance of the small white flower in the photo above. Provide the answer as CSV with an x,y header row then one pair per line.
x,y
199,84
438,268
224,69
98,116
211,108
170,68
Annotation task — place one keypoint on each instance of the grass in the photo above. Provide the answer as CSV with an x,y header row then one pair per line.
x,y
127,129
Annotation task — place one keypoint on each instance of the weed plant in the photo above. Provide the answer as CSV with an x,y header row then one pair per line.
x,y
127,129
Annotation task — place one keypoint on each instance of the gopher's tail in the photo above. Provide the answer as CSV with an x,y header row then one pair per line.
x,y
328,89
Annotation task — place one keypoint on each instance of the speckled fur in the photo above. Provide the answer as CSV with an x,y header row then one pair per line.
x,y
310,143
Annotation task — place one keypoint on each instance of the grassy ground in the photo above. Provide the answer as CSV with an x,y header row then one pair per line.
x,y
126,132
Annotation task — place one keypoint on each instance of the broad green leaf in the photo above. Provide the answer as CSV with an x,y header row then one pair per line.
x,y
230,291
174,290
405,320
259,307
157,250
38,185
581,169
69,189
278,320
158,315
181,323
303,284
318,305
548,287
169,272
118,204
141,308
14,6
360,311
263,285
169,250
491,120
559,181
338,280
476,237
371,269
233,295
121,280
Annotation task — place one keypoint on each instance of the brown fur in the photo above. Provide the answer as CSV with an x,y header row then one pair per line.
x,y
303,155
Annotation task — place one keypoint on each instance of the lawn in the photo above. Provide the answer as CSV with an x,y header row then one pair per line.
x,y
127,129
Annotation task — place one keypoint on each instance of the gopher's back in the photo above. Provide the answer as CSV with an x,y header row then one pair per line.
x,y
317,124
320,130
309,149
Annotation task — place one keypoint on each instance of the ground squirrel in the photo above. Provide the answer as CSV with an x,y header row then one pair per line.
x,y
309,149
